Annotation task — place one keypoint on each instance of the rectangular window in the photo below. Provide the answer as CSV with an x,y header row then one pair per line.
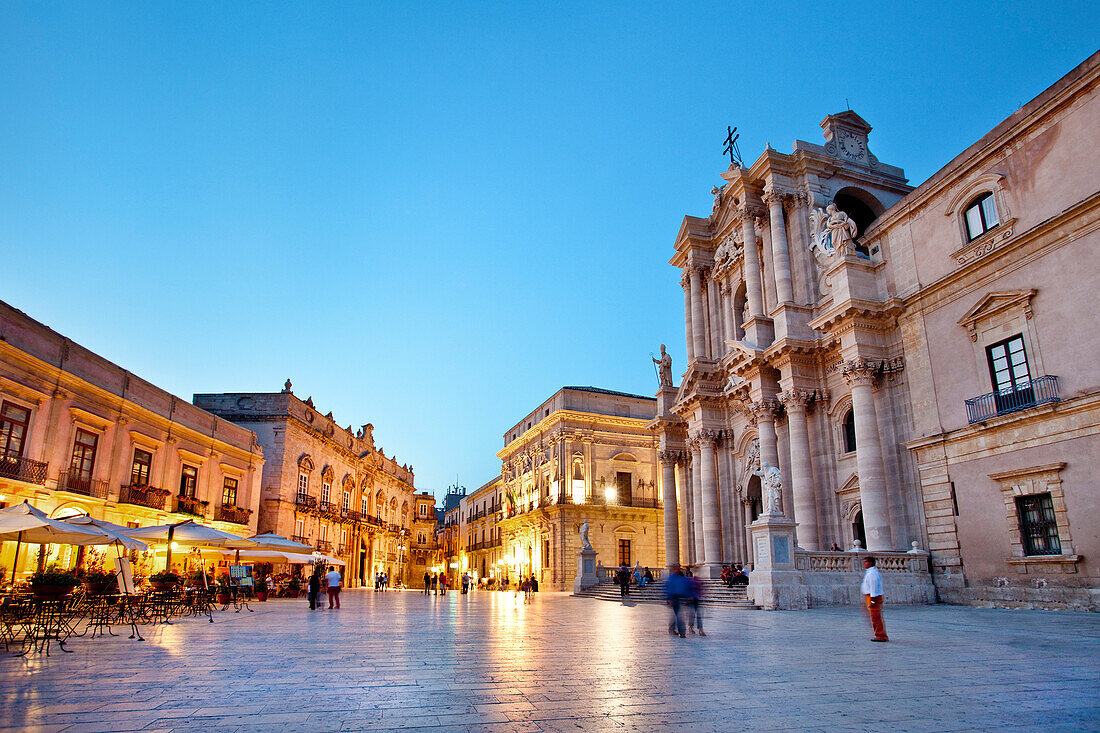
x,y
300,527
324,532
1038,525
364,505
84,448
546,553
229,491
13,430
139,471
624,552
189,480
1010,375
344,537
303,484
623,481
423,510
981,216
345,503
326,492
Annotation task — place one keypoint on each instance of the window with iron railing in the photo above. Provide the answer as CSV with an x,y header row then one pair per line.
x,y
84,450
1038,525
189,480
229,491
139,470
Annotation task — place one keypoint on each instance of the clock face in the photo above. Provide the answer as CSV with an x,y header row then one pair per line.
x,y
851,147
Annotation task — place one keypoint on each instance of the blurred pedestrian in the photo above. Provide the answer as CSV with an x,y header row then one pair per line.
x,y
622,577
427,584
314,588
676,591
695,609
872,596
332,581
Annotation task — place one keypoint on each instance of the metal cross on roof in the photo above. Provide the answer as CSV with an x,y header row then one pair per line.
x,y
731,146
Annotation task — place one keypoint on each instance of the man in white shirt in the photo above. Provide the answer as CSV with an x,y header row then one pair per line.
x,y
332,580
872,595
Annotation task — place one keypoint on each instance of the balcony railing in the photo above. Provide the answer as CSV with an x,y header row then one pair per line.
x,y
305,502
350,515
147,496
373,520
234,514
343,550
326,507
1039,391
300,539
323,546
395,528
78,484
191,505
17,468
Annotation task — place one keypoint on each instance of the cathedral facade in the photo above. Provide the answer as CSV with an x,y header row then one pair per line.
x,y
906,357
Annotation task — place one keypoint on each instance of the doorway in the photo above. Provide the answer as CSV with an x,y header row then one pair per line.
x,y
857,529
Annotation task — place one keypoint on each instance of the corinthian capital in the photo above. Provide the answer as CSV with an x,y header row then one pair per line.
x,y
705,438
859,371
764,409
795,400
774,195
685,281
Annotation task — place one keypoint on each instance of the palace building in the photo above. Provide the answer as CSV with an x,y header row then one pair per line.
x,y
913,360
328,486
81,435
584,453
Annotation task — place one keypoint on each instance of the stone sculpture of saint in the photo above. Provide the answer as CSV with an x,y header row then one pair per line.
x,y
585,544
842,229
664,368
771,485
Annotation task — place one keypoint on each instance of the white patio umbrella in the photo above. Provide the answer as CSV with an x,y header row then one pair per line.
x,y
191,534
25,523
272,541
116,532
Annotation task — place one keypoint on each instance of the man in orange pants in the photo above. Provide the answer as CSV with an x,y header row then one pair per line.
x,y
872,594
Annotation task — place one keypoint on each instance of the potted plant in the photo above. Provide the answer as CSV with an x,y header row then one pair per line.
x,y
98,581
52,584
294,587
164,580
223,590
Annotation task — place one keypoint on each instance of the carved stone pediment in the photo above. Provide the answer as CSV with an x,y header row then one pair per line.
x,y
994,304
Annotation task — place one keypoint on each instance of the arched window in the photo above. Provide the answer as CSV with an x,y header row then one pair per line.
x,y
849,432
981,216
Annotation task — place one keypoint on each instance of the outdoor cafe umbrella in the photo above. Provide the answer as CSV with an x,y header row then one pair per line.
x,y
189,533
116,532
25,523
272,541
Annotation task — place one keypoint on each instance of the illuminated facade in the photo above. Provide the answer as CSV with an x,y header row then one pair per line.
x,y
585,453
481,553
327,486
918,362
422,554
81,435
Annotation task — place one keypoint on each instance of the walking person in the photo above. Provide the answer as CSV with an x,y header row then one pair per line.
x,y
332,581
435,585
442,585
314,589
622,577
872,596
695,608
675,591
427,584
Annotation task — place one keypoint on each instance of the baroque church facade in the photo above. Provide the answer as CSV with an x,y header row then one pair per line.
x,y
904,356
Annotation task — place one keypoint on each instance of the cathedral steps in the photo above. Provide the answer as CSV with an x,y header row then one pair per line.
x,y
715,593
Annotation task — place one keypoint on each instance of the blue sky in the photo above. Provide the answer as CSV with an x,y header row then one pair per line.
x,y
432,216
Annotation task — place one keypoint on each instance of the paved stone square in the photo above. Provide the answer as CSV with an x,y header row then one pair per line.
x,y
400,660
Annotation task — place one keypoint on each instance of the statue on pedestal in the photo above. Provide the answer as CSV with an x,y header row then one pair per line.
x,y
664,367
771,487
585,544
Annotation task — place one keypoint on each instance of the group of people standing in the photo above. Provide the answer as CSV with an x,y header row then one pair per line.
x,y
331,581
381,581
435,584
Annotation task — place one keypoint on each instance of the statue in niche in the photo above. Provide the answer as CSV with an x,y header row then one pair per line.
x,y
717,193
585,544
841,229
664,368
771,486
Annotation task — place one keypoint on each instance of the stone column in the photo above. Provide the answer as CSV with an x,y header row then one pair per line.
x,y
712,527
754,291
685,284
698,320
685,508
802,480
773,197
873,497
746,534
717,348
667,460
765,427
729,318
697,515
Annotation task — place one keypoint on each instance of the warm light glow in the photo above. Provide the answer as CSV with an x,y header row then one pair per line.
x,y
610,494
175,545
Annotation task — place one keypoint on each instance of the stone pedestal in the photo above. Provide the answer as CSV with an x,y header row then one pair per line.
x,y
586,570
775,582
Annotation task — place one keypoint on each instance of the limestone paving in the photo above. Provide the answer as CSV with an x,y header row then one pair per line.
x,y
402,660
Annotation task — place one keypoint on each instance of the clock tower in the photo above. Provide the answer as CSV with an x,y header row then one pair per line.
x,y
846,138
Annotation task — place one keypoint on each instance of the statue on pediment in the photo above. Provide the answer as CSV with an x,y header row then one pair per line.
x,y
664,368
771,487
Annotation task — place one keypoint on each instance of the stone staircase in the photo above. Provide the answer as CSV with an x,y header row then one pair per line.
x,y
715,594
